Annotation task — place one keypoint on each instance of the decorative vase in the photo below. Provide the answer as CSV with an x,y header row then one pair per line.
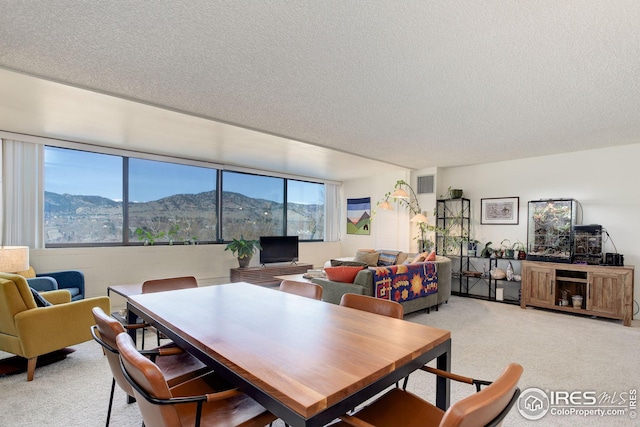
x,y
577,301
510,272
455,193
498,273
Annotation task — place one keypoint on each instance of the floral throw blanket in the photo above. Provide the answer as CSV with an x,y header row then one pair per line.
x,y
405,282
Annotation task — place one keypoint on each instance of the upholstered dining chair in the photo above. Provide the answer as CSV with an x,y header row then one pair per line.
x,y
167,284
374,305
304,289
194,402
177,365
487,407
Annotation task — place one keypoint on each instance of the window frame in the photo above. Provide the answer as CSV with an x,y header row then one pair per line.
x,y
220,169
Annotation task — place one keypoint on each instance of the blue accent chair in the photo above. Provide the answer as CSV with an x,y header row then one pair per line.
x,y
70,280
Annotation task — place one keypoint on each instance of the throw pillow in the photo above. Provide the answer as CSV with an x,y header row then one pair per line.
x,y
338,263
431,256
369,258
418,258
40,300
403,257
344,273
387,258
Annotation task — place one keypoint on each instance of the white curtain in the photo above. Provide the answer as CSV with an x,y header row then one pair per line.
x,y
333,212
22,194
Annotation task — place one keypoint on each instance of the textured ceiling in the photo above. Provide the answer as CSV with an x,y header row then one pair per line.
x,y
413,83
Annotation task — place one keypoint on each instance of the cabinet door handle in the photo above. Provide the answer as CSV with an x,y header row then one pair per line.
x,y
551,287
588,290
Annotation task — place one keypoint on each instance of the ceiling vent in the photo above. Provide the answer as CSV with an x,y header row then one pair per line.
x,y
425,184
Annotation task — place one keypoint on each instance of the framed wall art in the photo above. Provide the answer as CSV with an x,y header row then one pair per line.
x,y
359,216
500,210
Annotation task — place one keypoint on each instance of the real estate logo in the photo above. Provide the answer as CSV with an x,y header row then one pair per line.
x,y
534,403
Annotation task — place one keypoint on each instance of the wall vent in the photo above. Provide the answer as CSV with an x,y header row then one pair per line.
x,y
425,184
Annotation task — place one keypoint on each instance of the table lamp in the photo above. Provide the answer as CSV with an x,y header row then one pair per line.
x,y
14,258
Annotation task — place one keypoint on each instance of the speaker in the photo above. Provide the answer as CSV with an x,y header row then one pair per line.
x,y
614,259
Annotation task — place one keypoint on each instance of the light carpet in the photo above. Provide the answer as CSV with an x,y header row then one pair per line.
x,y
559,352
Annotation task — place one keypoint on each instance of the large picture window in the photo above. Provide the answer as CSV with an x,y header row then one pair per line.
x,y
94,199
252,205
83,197
170,202
305,210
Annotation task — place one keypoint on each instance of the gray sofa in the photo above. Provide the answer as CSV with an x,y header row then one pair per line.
x,y
363,284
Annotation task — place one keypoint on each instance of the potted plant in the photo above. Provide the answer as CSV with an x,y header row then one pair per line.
x,y
455,193
472,247
173,232
243,249
521,250
506,248
487,251
147,237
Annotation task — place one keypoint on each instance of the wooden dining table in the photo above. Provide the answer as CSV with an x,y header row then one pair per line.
x,y
306,361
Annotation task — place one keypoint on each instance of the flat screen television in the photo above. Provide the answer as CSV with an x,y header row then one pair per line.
x,y
278,249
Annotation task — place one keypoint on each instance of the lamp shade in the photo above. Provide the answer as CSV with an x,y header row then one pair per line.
x,y
400,194
419,218
14,258
386,206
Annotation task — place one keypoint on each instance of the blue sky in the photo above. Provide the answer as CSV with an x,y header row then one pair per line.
x,y
91,174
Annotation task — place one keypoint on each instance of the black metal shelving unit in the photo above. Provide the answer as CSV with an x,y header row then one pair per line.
x,y
473,278
453,216
470,275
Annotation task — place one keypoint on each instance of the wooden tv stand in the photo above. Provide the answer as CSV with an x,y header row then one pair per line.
x,y
606,291
264,275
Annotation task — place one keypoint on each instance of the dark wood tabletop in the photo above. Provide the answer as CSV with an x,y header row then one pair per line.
x,y
307,361
126,290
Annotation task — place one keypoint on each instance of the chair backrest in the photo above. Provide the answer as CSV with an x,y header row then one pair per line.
x,y
15,297
304,289
169,284
373,305
109,328
490,405
149,377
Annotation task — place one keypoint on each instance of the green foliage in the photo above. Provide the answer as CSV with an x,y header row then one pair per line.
x,y
486,252
173,231
243,248
147,236
519,246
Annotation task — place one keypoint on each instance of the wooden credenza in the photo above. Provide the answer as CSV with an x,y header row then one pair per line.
x,y
606,291
265,275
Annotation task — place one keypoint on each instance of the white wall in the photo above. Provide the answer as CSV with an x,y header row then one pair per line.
x,y
389,229
604,181
106,266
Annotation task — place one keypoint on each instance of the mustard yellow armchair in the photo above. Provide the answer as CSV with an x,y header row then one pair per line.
x,y
30,331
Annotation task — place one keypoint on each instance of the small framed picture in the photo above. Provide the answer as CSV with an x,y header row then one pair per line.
x,y
500,210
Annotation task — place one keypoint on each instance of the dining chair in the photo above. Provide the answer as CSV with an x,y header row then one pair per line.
x,y
167,284
488,407
191,403
176,364
374,305
304,289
